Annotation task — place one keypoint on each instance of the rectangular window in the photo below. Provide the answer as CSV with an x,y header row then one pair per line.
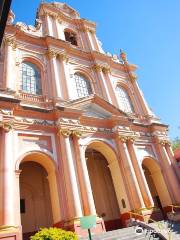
x,y
22,206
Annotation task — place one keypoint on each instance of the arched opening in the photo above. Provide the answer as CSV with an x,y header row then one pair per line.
x,y
39,201
156,183
70,37
102,184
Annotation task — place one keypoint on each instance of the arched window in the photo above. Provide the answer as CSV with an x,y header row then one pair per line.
x,y
70,37
83,86
30,78
124,100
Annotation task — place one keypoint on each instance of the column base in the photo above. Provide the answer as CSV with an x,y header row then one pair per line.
x,y
74,225
11,233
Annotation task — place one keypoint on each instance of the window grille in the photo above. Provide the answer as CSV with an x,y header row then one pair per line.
x,y
124,100
30,78
83,86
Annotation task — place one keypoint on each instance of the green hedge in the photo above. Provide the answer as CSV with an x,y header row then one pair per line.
x,y
54,234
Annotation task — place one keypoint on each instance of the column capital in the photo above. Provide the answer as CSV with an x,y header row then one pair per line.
x,y
51,54
77,133
65,132
106,69
63,56
164,142
10,42
7,126
97,68
126,139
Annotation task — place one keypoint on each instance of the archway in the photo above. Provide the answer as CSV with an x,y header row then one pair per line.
x,y
103,184
39,201
156,183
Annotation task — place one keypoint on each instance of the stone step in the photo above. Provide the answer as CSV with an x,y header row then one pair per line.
x,y
120,234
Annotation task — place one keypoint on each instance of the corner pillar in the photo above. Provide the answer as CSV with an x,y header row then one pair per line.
x,y
173,184
173,160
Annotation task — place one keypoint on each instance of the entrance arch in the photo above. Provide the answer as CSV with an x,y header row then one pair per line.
x,y
39,200
156,183
106,183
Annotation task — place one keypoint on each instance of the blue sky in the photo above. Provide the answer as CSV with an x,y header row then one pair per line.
x,y
149,32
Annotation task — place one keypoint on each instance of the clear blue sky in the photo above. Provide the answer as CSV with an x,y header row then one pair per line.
x,y
149,32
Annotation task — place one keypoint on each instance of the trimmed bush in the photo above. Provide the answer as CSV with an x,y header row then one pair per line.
x,y
54,234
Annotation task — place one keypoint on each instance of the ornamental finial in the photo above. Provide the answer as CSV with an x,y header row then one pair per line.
x,y
123,55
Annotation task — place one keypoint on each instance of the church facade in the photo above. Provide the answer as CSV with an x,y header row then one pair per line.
x,y
77,137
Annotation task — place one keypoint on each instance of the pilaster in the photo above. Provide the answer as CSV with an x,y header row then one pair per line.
x,y
132,77
133,186
52,56
73,194
85,185
102,81
140,174
172,180
10,47
172,159
8,192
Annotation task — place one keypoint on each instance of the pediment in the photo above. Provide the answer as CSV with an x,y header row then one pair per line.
x,y
95,111
96,107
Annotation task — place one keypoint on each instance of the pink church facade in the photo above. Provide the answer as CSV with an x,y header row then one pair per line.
x,y
77,137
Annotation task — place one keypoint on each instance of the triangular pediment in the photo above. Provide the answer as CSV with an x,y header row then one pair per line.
x,y
96,107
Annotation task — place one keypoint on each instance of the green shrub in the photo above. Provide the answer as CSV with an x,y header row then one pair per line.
x,y
54,234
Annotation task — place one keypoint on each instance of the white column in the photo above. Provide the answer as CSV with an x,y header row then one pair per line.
x,y
49,27
131,177
8,73
86,180
107,72
172,179
8,173
102,82
173,160
141,99
140,175
55,74
59,29
72,176
64,76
